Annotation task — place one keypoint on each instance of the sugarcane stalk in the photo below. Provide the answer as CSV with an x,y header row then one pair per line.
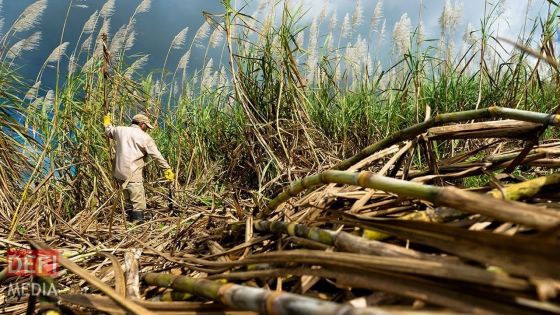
x,y
105,72
254,299
341,240
413,131
430,291
170,296
440,215
505,210
519,255
439,269
525,189
319,235
455,117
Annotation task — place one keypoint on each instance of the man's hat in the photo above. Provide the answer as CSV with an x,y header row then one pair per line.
x,y
139,118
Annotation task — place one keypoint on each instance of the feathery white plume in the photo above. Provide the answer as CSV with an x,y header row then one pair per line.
x,y
216,37
157,89
32,93
86,45
30,17
89,26
313,34
175,88
49,99
450,16
180,39
300,38
194,79
470,35
57,53
98,52
216,79
311,66
261,6
201,34
337,71
135,66
105,27
89,63
184,61
81,6
130,38
26,44
329,41
381,35
350,55
334,20
358,15
35,104
1,25
361,51
377,15
207,75
71,64
324,11
401,34
450,50
144,6
129,35
222,77
107,9
117,43
346,30
421,35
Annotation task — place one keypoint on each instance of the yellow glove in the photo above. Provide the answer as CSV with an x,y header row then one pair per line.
x,y
106,120
169,175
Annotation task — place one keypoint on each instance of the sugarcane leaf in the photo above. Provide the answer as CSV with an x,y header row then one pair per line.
x,y
517,254
120,283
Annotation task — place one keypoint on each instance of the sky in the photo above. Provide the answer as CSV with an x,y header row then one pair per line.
x,y
156,28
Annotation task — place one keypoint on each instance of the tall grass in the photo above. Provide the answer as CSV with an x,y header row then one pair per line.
x,y
284,100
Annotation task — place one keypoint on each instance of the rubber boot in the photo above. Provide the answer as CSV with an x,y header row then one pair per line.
x,y
137,216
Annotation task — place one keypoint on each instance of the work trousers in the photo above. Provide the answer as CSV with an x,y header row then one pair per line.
x,y
135,201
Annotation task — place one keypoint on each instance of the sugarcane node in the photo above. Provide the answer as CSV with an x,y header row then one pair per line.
x,y
364,178
224,294
269,302
494,111
555,120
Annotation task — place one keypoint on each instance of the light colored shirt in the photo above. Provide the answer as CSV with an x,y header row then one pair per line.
x,y
133,147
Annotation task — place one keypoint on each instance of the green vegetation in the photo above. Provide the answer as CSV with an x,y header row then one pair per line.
x,y
272,110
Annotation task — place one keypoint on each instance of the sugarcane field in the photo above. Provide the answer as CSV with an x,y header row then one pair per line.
x,y
335,157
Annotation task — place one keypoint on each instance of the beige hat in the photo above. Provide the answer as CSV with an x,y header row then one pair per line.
x,y
139,118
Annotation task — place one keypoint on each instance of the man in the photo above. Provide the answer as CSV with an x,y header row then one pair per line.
x,y
133,146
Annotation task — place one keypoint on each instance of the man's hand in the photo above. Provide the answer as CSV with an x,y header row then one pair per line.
x,y
169,175
106,120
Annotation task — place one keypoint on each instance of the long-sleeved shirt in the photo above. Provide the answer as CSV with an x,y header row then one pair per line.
x,y
133,146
